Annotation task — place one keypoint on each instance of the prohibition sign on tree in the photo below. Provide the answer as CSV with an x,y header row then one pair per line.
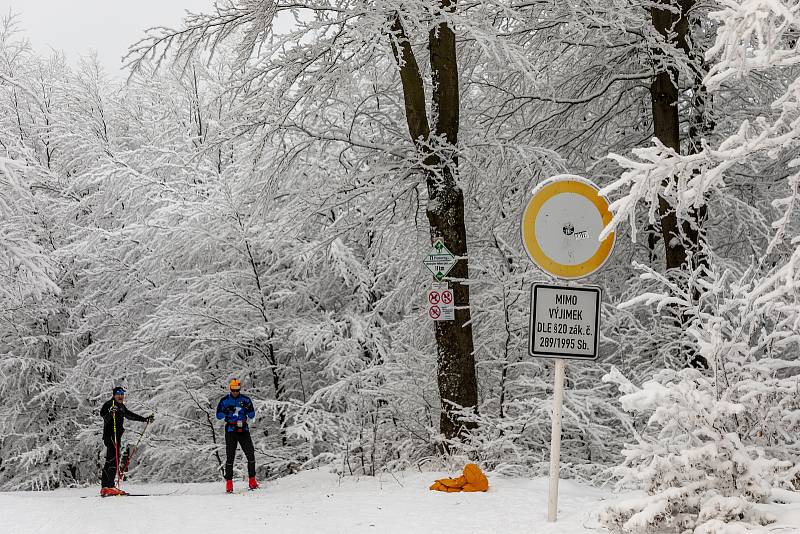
x,y
433,297
434,312
447,297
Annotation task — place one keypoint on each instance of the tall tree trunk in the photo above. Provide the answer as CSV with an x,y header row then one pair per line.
x,y
701,124
672,22
664,98
456,378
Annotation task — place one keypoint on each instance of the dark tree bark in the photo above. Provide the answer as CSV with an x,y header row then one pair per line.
x,y
456,362
701,124
672,22
664,98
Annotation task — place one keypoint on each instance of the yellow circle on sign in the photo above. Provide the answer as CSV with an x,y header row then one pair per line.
x,y
561,226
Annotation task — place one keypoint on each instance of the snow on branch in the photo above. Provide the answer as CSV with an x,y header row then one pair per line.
x,y
753,35
26,269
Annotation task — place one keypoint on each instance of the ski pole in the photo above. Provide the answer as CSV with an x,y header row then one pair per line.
x,y
116,443
130,456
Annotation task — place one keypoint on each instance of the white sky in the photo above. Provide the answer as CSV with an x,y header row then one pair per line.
x,y
107,27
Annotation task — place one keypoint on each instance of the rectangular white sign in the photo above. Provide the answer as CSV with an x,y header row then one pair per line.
x,y
441,305
565,322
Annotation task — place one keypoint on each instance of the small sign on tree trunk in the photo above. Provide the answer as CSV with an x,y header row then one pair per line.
x,y
439,260
441,305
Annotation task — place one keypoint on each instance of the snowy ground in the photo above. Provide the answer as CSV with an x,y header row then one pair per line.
x,y
318,502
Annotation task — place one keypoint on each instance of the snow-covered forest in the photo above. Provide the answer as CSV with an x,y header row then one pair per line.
x,y
255,203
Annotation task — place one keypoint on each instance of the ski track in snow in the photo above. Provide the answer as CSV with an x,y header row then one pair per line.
x,y
319,502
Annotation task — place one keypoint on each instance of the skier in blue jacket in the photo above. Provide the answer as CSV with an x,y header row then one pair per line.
x,y
235,409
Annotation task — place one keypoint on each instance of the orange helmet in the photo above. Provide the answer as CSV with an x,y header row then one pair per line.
x,y
235,384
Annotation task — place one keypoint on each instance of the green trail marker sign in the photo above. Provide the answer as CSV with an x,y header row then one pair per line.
x,y
439,260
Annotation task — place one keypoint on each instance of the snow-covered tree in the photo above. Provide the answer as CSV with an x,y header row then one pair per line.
x,y
716,443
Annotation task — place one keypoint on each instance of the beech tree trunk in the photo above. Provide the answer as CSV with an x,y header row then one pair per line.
x,y
672,22
675,25
701,124
664,98
456,378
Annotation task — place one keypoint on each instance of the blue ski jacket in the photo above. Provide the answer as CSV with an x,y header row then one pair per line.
x,y
234,409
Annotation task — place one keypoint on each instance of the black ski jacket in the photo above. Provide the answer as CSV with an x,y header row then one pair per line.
x,y
109,420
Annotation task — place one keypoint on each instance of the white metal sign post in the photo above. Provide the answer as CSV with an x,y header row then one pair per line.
x,y
564,324
560,231
555,442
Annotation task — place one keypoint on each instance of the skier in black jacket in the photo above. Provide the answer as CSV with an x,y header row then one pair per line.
x,y
114,412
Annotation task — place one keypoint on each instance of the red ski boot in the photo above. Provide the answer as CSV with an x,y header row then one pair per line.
x,y
229,486
111,492
253,483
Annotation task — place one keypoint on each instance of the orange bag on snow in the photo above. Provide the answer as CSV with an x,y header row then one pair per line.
x,y
473,479
476,480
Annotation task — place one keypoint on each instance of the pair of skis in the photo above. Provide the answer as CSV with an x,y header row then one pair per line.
x,y
126,494
242,492
157,494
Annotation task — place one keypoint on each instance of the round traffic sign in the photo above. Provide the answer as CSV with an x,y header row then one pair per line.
x,y
561,227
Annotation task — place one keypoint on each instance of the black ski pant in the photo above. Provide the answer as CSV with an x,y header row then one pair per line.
x,y
110,467
239,438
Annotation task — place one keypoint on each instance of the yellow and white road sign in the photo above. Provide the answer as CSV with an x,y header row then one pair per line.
x,y
561,226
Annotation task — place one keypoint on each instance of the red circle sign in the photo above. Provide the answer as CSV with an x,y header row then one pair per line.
x,y
447,297
433,297
434,312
